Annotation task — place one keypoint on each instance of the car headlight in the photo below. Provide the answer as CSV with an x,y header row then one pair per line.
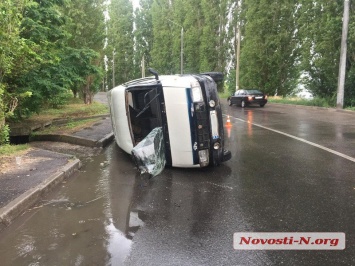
x,y
196,92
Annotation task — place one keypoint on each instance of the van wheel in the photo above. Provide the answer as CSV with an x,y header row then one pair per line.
x,y
242,104
229,102
262,104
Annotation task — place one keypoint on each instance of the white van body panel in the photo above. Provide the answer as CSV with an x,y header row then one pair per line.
x,y
177,111
179,126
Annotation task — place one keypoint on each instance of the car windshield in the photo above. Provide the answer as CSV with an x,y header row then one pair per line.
x,y
253,91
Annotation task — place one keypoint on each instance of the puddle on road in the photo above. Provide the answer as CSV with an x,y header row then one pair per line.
x,y
87,220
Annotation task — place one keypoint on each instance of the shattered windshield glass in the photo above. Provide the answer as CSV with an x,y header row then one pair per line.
x,y
149,154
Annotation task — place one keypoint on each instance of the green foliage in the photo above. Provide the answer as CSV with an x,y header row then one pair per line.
x,y
84,55
349,99
50,47
320,27
231,83
143,34
186,14
37,81
269,50
214,43
53,53
162,58
120,43
4,134
11,46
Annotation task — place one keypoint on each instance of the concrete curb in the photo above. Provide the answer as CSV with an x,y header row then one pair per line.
x,y
105,141
75,140
12,210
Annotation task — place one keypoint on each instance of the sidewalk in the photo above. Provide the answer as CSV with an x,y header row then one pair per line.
x,y
50,159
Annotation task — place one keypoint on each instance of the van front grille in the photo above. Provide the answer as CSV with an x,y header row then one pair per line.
x,y
203,131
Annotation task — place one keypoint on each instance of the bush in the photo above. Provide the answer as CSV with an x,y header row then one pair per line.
x,y
4,134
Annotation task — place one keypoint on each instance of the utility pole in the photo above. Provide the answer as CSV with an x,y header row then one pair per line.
x,y
182,51
237,57
113,68
342,63
143,67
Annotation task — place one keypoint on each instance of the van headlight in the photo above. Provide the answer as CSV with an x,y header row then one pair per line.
x,y
204,157
196,92
216,145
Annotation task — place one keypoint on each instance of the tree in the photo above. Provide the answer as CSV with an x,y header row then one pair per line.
x,y
143,33
189,14
349,93
214,42
162,57
38,68
320,37
269,50
120,45
10,46
84,54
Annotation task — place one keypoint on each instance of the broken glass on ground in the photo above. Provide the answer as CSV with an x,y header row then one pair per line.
x,y
149,154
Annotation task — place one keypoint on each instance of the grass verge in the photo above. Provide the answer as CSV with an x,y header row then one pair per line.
x,y
8,149
73,110
68,128
320,102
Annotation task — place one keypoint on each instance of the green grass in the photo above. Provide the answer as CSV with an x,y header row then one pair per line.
x,y
69,127
320,102
224,95
8,149
74,109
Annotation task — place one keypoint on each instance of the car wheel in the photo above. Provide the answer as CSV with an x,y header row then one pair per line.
x,y
242,104
262,104
229,102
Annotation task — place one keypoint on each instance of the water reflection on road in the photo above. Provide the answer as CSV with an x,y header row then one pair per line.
x,y
86,221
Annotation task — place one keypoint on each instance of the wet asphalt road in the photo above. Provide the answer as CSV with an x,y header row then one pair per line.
x,y
292,170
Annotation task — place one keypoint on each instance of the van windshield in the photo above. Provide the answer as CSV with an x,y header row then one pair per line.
x,y
144,111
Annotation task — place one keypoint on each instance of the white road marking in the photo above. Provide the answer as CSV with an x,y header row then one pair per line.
x,y
299,139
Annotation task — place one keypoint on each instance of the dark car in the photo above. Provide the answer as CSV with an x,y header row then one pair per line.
x,y
247,97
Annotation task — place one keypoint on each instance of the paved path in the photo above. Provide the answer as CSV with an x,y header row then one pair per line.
x,y
36,171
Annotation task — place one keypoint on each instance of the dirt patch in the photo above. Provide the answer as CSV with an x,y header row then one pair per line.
x,y
25,159
11,162
78,151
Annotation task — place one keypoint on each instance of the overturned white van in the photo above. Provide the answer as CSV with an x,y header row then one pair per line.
x,y
174,118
